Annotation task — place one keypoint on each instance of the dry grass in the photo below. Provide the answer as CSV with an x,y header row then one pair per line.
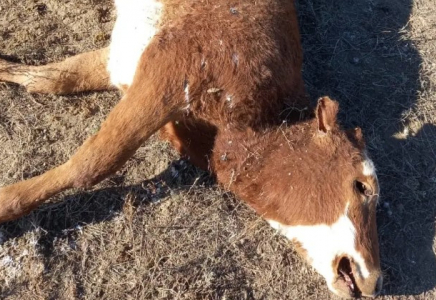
x,y
162,229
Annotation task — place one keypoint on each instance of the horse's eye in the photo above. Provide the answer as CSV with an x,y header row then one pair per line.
x,y
363,188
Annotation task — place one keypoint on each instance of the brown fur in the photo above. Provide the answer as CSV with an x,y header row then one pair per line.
x,y
242,64
194,139
300,175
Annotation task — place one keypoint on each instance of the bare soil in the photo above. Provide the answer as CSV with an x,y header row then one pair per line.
x,y
162,229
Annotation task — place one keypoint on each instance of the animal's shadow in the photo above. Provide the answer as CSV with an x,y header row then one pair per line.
x,y
354,52
63,218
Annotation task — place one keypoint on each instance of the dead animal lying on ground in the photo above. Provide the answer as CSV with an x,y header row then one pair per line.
x,y
219,79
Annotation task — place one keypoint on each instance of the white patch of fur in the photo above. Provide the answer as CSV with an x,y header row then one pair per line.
x,y
135,26
187,99
235,58
187,92
323,243
368,167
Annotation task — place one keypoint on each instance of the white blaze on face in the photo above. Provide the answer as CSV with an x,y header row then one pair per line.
x,y
323,243
134,28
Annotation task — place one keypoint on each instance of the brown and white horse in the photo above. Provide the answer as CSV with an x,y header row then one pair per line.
x,y
222,81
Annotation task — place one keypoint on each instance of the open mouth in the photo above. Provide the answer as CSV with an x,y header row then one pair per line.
x,y
345,272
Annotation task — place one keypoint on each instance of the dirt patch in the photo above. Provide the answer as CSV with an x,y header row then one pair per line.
x,y
162,229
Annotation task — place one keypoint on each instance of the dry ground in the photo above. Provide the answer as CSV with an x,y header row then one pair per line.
x,y
162,229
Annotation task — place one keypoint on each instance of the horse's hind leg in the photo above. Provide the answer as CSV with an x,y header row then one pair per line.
x,y
83,72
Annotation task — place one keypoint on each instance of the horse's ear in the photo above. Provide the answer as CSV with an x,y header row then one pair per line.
x,y
326,113
356,136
